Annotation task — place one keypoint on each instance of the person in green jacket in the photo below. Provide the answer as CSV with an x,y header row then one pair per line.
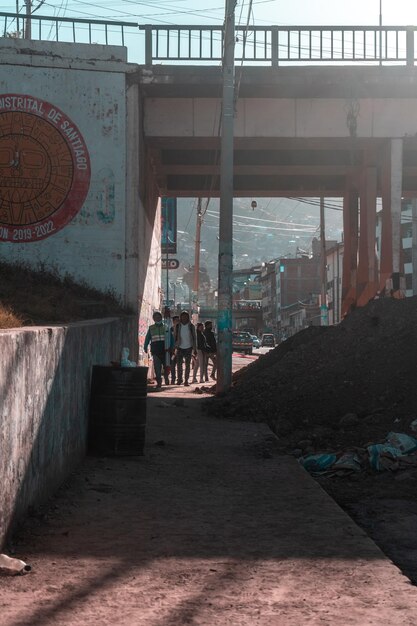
x,y
156,338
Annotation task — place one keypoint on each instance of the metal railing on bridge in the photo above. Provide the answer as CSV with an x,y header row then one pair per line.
x,y
267,45
275,45
66,29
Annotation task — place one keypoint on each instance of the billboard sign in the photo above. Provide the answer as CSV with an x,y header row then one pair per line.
x,y
169,225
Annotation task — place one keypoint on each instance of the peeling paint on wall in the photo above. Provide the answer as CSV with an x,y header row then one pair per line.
x,y
102,210
105,197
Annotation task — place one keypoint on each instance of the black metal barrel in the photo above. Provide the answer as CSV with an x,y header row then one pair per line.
x,y
117,411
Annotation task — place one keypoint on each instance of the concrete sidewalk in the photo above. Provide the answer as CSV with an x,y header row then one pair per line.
x,y
206,529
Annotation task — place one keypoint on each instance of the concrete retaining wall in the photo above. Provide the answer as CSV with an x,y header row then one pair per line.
x,y
78,196
44,394
91,245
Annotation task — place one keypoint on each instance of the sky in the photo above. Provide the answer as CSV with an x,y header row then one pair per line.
x,y
264,12
284,12
188,12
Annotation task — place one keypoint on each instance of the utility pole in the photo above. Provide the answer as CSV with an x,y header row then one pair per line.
x,y
28,27
414,244
167,283
224,324
17,19
323,299
380,32
196,280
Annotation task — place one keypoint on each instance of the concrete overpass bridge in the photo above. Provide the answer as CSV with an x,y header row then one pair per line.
x,y
320,111
345,131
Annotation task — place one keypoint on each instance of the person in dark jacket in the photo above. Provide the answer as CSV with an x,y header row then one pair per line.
x,y
174,364
185,345
212,349
202,350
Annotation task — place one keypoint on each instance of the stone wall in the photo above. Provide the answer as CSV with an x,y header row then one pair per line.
x,y
44,394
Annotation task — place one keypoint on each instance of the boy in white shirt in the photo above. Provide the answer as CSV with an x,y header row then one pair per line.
x,y
185,345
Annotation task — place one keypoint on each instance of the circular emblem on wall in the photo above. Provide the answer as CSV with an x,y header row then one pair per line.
x,y
44,169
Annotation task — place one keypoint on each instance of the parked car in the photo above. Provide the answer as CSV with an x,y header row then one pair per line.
x,y
242,342
268,340
256,342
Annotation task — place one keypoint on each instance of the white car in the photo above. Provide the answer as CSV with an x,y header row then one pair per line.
x,y
256,341
268,340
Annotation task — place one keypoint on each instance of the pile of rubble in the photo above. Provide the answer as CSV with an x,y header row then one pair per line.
x,y
334,388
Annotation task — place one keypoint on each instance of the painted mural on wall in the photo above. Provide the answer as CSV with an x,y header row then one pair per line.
x,y
44,169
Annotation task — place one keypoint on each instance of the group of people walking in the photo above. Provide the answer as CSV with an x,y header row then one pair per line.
x,y
180,349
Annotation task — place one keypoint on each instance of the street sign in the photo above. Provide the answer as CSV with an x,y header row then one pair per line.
x,y
170,264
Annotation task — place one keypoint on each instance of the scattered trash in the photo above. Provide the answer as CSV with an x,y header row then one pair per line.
x,y
124,360
318,462
348,461
398,450
382,456
403,442
13,567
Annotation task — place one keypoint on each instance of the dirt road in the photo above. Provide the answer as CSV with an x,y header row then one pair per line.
x,y
211,527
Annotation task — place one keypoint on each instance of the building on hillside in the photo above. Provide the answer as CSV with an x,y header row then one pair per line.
x,y
298,294
334,265
268,281
297,291
408,225
247,310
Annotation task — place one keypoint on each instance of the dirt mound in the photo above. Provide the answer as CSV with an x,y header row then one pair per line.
x,y
29,297
343,385
273,356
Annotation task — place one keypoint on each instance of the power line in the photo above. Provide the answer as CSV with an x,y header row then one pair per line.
x,y
327,205
259,219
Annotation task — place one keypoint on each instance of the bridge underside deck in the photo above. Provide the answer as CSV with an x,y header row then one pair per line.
x,y
328,131
276,167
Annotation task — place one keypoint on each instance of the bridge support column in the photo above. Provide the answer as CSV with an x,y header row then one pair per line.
x,y
391,272
367,284
350,254
132,194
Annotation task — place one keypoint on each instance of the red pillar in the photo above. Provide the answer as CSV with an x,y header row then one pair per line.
x,y
367,284
391,266
350,245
